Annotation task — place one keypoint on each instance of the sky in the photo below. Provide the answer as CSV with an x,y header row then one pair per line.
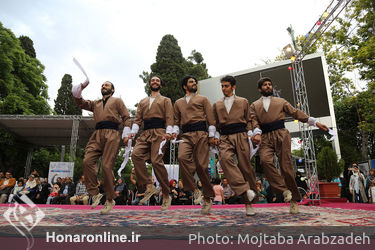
x,y
116,40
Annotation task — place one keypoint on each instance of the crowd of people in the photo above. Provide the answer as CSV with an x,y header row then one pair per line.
x,y
64,191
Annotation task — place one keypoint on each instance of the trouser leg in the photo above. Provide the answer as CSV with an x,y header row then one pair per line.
x,y
283,152
140,154
186,163
266,153
109,156
231,170
158,164
201,158
90,167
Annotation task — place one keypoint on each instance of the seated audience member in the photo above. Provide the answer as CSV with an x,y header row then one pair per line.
x,y
141,189
272,197
229,194
6,186
119,187
30,187
17,190
262,194
42,191
54,193
81,193
59,180
121,192
184,197
173,191
66,191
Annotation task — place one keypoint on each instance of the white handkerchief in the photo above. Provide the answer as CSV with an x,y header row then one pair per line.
x,y
161,146
83,71
126,157
331,132
252,149
174,141
214,150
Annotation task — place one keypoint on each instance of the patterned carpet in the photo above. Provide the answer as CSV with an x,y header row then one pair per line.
x,y
227,216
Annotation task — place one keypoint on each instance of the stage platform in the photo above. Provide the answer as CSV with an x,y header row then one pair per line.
x,y
326,214
172,229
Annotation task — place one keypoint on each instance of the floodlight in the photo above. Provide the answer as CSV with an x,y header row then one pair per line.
x,y
288,51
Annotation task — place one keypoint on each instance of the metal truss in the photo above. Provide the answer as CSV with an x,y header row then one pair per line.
x,y
74,138
300,98
300,93
326,19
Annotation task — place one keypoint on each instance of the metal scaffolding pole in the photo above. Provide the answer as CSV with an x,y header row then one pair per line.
x,y
300,94
74,138
28,162
62,157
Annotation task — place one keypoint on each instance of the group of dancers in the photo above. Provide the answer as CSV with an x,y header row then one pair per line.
x,y
230,124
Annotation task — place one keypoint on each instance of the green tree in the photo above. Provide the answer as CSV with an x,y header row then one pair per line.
x,y
23,90
196,67
350,46
28,46
328,165
22,84
64,104
171,66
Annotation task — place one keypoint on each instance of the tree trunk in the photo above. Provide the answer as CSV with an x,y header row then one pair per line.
x,y
364,148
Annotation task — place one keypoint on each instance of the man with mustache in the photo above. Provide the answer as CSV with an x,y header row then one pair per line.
x,y
232,114
192,113
156,114
109,113
270,112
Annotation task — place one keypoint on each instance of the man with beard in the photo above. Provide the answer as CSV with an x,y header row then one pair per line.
x,y
109,113
192,113
232,114
156,114
270,112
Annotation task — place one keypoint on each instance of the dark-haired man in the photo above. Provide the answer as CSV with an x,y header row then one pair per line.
x,y
156,114
232,114
193,115
6,186
109,113
270,113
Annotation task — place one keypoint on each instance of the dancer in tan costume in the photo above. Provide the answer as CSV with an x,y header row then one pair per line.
x,y
192,114
233,121
156,114
109,113
270,112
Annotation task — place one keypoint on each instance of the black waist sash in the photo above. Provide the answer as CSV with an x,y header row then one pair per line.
x,y
153,123
268,127
106,125
190,127
233,128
